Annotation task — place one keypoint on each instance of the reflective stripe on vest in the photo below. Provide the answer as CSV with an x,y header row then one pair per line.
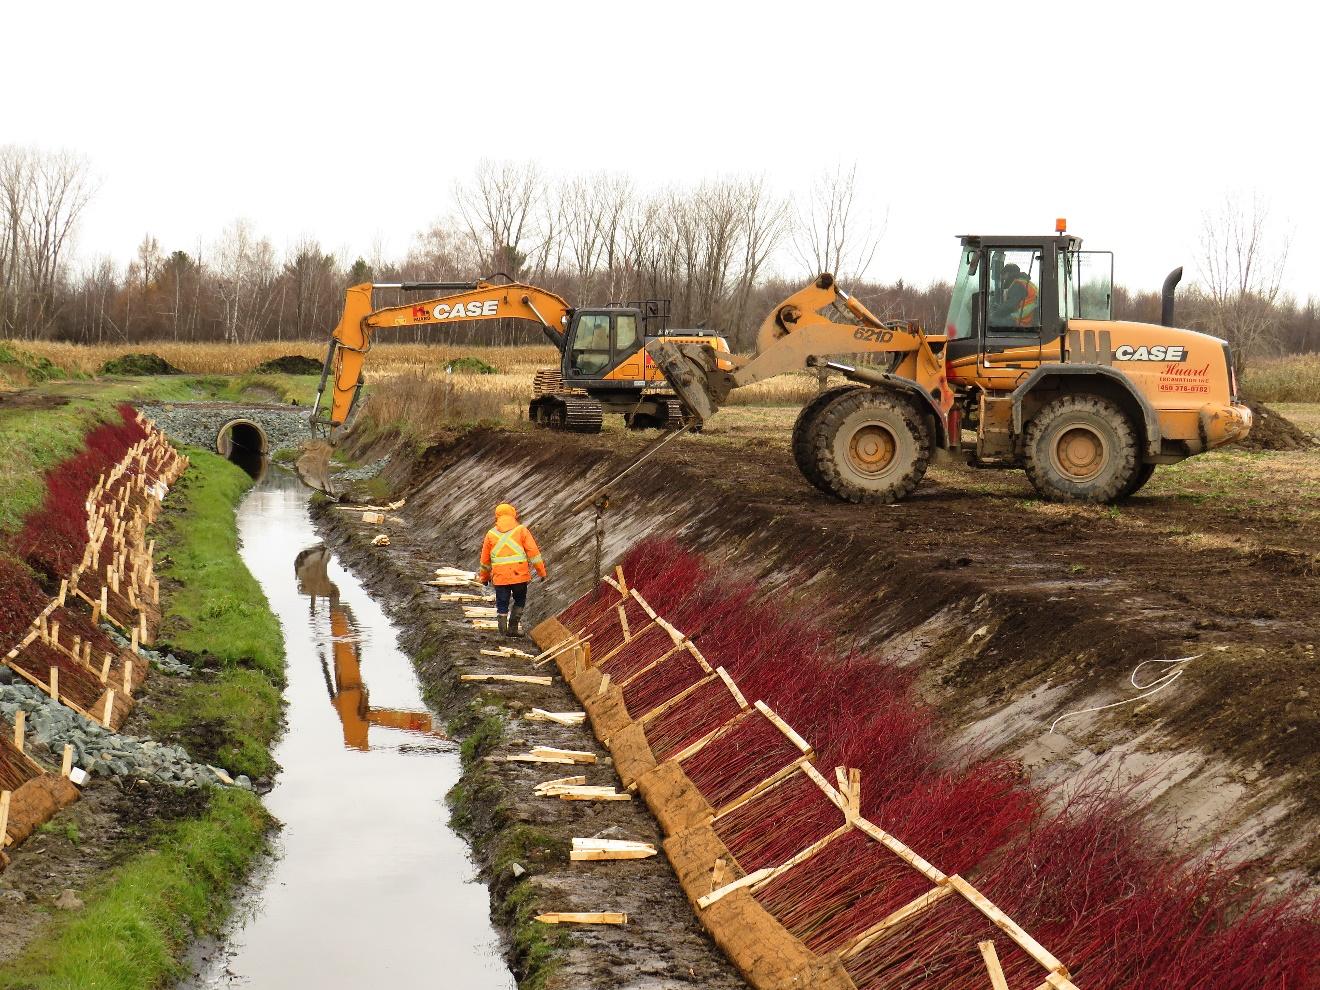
x,y
506,549
1026,313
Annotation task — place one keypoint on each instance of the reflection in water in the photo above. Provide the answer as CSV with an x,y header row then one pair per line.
x,y
348,692
368,887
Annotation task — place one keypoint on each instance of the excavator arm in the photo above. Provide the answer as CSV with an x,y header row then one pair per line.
x,y
468,301
352,338
795,336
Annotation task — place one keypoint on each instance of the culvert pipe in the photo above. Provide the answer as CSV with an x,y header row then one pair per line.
x,y
244,443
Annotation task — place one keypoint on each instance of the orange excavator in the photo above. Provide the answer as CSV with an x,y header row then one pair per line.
x,y
604,366
1031,371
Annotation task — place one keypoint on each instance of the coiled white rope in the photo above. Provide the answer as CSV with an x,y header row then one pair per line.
x,y
1153,688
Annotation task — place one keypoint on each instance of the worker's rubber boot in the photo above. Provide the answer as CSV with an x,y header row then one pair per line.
x,y
515,615
503,622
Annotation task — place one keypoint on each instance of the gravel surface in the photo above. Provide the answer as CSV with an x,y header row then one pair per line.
x,y
197,423
101,751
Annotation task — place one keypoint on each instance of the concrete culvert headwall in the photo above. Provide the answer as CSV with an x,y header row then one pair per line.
x,y
245,443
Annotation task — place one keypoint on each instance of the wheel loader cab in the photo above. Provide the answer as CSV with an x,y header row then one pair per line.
x,y
1012,299
601,340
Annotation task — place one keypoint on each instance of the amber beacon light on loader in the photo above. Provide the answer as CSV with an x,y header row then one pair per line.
x,y
1031,371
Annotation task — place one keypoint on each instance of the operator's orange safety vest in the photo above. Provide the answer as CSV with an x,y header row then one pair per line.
x,y
1026,313
509,553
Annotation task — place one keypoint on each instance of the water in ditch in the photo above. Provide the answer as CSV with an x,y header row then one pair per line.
x,y
368,885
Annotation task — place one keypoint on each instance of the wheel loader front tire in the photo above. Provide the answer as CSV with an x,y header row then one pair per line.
x,y
803,435
1084,448
869,446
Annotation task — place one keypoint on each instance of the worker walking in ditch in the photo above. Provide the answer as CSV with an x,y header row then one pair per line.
x,y
508,555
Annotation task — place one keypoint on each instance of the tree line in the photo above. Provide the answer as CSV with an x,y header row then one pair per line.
x,y
715,249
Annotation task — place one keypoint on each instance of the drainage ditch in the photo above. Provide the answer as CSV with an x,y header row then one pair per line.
x,y
368,884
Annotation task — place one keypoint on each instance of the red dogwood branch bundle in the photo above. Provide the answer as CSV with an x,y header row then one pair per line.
x,y
933,819
688,720
1088,884
638,653
939,949
590,607
21,601
53,538
76,683
607,630
778,823
746,755
667,679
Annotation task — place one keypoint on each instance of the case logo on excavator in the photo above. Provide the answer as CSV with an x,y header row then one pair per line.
x,y
1156,352
459,311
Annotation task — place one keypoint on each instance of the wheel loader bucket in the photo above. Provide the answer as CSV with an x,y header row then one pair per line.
x,y
313,466
691,373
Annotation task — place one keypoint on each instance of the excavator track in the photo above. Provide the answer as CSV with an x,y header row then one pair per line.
x,y
564,411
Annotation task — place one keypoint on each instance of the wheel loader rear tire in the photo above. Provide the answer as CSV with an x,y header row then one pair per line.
x,y
870,446
1082,447
803,427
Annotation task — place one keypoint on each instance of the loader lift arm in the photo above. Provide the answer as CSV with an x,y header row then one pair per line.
x,y
482,299
796,336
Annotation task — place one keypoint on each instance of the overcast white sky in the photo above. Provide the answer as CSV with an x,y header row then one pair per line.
x,y
349,122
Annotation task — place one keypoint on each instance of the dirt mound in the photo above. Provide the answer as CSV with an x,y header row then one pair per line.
x,y
142,363
290,364
1272,431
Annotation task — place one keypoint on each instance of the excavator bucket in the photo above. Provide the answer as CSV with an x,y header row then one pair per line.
x,y
313,466
691,372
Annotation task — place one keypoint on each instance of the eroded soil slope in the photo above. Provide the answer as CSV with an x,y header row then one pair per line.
x,y
1017,611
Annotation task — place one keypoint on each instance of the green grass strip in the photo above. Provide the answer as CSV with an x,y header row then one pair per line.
x,y
137,916
141,914
216,607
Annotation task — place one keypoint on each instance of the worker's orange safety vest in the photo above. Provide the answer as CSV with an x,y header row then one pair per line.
x,y
1026,314
508,556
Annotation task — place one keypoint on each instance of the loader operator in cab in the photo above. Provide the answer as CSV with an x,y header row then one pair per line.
x,y
508,555
1018,301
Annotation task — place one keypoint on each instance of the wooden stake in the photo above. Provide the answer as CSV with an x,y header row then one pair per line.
x,y
583,918
20,717
128,679
105,669
623,585
55,683
109,707
142,628
67,766
997,980
4,818
64,591
133,641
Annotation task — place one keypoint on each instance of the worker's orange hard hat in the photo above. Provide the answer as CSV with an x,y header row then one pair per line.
x,y
505,509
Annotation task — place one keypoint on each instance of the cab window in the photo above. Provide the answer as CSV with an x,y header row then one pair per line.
x,y
1014,291
958,324
625,333
1087,282
591,343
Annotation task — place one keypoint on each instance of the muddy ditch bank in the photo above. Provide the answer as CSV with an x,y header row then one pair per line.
x,y
1014,611
521,842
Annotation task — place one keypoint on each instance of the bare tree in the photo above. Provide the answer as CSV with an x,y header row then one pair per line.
x,y
497,209
1242,264
834,234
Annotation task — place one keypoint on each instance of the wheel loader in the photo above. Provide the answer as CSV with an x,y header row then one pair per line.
x,y
1031,371
604,366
